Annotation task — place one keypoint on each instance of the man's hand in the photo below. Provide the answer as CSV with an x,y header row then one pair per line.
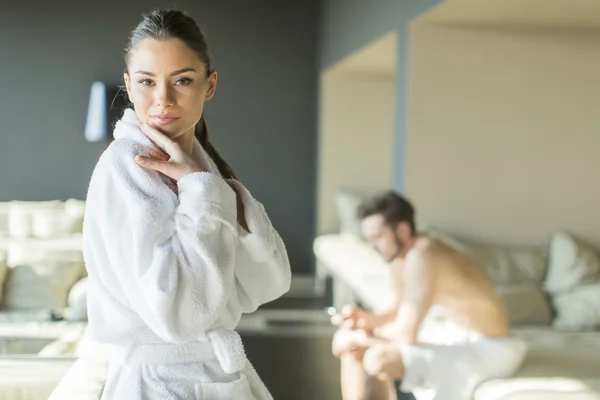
x,y
384,360
389,331
354,317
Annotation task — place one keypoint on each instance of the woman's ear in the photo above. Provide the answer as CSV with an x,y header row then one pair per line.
x,y
212,85
127,85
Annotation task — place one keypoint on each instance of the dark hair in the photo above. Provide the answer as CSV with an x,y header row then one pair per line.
x,y
393,207
172,24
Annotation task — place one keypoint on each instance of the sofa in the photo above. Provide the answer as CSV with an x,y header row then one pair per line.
x,y
551,292
42,295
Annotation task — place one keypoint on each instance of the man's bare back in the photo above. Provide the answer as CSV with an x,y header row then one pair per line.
x,y
463,290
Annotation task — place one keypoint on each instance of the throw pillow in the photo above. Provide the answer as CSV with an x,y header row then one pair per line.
x,y
77,301
42,280
572,263
347,202
578,310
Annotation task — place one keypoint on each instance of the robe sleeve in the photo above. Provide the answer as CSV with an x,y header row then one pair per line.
x,y
174,260
262,270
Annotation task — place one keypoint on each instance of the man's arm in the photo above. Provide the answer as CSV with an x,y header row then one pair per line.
x,y
388,314
354,317
420,277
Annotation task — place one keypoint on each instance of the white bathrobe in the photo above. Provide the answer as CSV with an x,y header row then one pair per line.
x,y
171,275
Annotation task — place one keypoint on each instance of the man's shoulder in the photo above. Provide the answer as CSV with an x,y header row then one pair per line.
x,y
425,244
429,247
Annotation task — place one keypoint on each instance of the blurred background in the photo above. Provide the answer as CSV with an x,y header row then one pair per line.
x,y
484,113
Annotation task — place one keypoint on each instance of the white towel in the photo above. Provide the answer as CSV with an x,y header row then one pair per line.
x,y
453,370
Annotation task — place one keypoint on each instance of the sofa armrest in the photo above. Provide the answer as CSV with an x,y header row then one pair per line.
x,y
84,380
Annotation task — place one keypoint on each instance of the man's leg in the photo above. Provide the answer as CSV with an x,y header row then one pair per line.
x,y
357,385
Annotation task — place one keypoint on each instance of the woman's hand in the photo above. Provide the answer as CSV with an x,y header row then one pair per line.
x,y
162,156
178,164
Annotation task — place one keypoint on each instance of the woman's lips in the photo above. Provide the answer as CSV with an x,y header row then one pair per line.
x,y
163,119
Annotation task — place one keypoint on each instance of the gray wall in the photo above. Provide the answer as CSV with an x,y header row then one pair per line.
x,y
263,116
347,25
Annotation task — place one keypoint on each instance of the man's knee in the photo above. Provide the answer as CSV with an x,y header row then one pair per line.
x,y
354,356
384,361
345,341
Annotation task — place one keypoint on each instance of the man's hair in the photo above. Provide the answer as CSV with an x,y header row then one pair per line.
x,y
393,207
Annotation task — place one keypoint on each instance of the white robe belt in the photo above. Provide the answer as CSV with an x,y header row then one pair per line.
x,y
226,345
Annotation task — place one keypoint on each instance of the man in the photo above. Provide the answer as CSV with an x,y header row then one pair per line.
x,y
379,348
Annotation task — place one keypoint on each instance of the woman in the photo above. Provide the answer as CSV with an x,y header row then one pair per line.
x,y
175,247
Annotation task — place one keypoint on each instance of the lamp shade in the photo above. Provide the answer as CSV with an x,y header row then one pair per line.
x,y
105,108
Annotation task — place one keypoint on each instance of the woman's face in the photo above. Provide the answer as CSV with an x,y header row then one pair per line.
x,y
166,82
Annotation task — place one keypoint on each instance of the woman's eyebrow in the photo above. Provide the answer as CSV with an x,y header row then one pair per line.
x,y
179,71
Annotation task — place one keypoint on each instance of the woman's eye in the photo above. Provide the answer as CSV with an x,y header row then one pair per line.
x,y
146,82
183,81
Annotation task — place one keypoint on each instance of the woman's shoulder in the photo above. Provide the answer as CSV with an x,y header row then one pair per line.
x,y
119,159
122,152
118,170
124,149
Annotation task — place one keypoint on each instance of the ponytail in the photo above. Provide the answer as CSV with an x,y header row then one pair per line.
x,y
201,133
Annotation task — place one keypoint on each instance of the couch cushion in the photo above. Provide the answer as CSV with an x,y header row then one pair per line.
x,y
550,388
40,277
558,365
572,263
525,304
560,354
21,213
22,251
43,285
74,213
49,224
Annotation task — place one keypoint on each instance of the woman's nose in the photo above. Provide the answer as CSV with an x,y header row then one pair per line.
x,y
164,97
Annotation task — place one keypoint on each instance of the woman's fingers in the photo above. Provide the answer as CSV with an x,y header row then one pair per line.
x,y
159,155
163,167
161,140
169,159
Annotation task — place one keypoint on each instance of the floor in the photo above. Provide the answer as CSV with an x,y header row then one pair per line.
x,y
289,344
